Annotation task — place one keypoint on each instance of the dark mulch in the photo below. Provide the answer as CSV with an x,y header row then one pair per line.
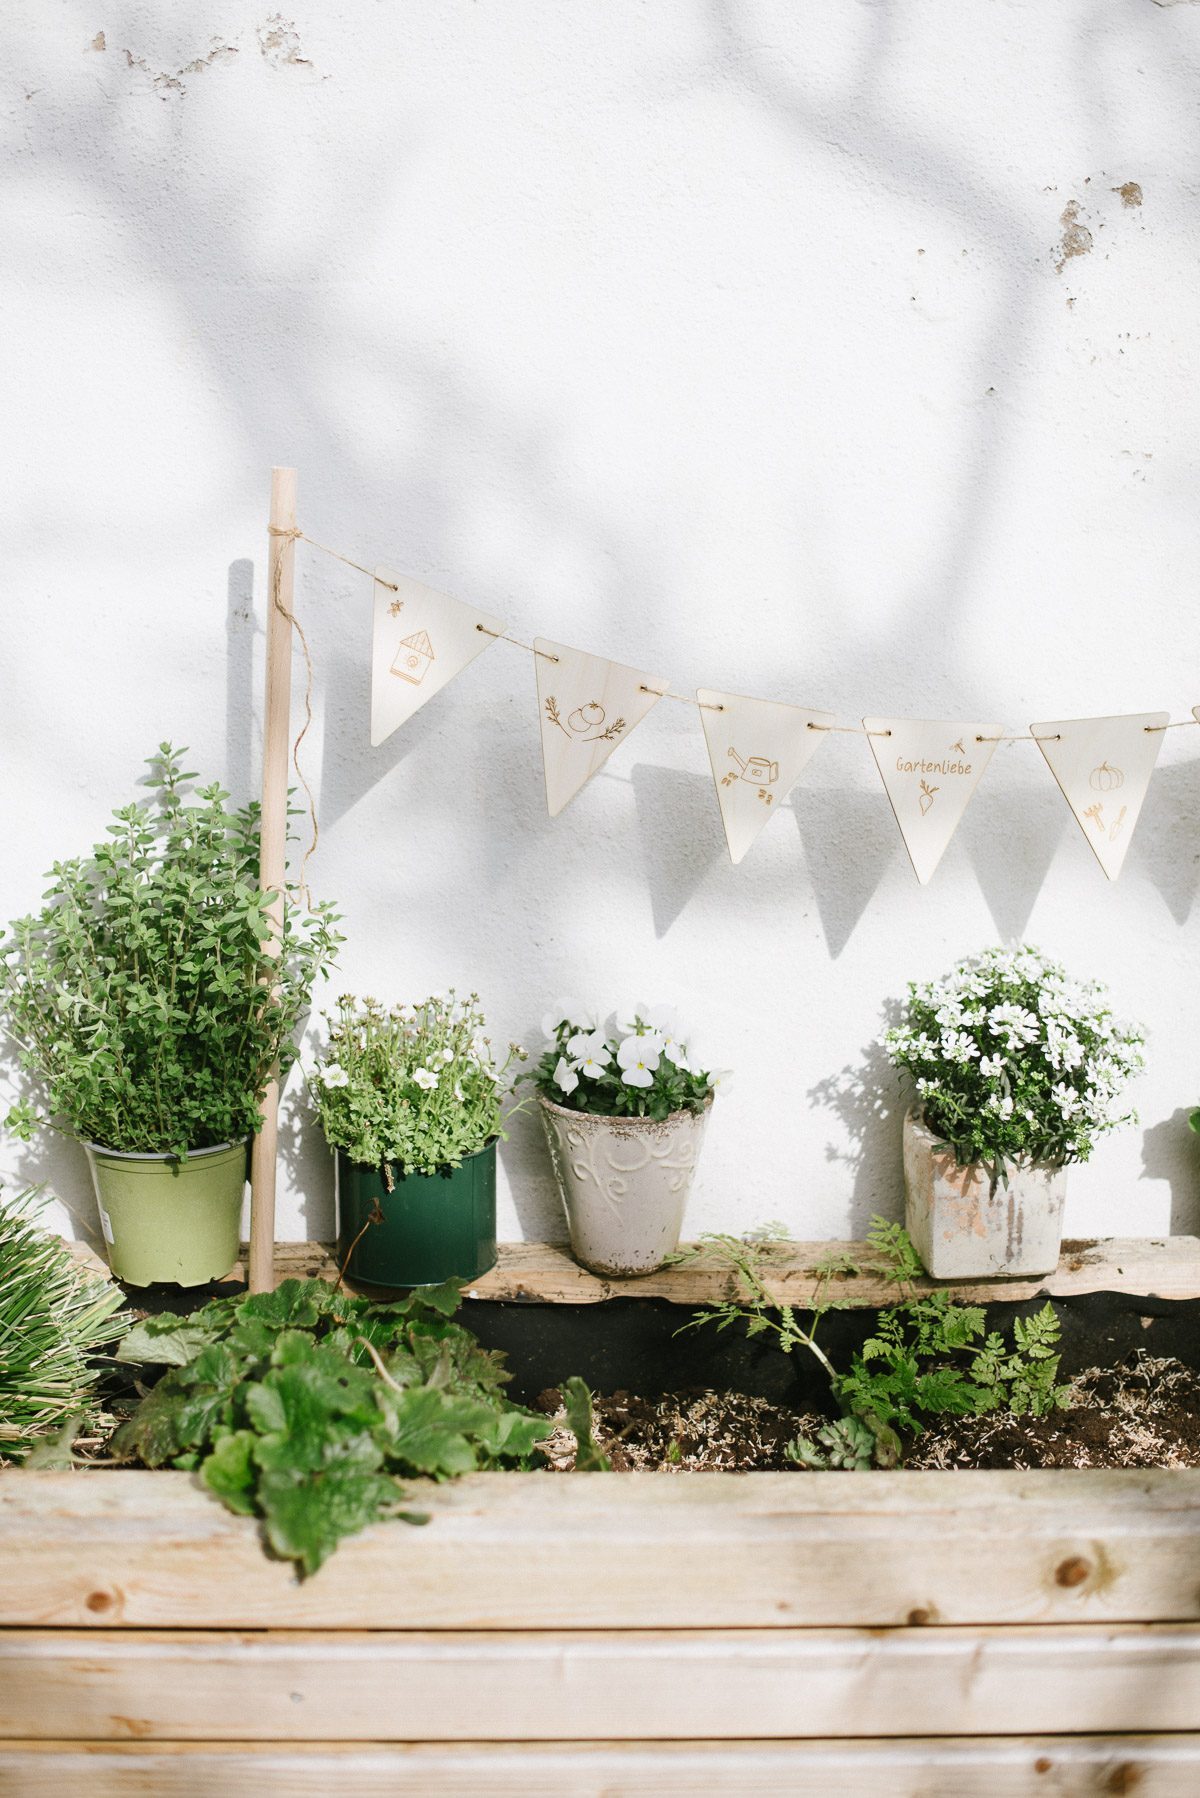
x,y
1143,1413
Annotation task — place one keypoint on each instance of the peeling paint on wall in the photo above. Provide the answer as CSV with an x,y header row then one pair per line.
x,y
1076,238
1130,192
279,43
167,82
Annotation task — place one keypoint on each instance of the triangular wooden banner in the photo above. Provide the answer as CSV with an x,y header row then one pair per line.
x,y
588,706
930,768
1103,766
758,750
421,640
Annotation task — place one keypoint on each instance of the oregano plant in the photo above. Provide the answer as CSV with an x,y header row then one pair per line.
x,y
144,998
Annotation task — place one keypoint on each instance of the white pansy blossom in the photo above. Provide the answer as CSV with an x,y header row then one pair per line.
x,y
566,1075
637,1058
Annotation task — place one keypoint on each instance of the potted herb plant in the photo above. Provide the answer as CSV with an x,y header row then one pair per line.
x,y
146,1002
1017,1069
409,1099
624,1110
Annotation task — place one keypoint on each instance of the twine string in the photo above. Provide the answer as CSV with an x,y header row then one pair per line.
x,y
294,534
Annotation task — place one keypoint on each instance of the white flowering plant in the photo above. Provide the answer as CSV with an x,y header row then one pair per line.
x,y
639,1064
1015,1061
413,1087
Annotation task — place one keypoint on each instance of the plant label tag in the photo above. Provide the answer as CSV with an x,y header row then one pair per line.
x,y
758,750
930,768
106,1225
1103,768
587,707
421,640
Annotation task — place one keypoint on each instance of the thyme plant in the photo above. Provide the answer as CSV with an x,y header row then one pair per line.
x,y
415,1086
144,997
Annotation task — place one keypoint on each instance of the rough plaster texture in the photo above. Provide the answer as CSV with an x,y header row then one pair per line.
x,y
837,353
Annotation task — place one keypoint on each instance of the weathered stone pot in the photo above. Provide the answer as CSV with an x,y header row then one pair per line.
x,y
624,1183
964,1226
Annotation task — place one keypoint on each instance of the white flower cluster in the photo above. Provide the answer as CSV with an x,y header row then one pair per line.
x,y
629,1046
1010,1055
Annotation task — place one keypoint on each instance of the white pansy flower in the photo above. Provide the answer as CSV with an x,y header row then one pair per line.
x,y
566,1075
426,1079
637,1058
572,1012
720,1080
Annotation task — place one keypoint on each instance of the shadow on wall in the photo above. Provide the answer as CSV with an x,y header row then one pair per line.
x,y
868,1102
1171,1152
849,837
850,841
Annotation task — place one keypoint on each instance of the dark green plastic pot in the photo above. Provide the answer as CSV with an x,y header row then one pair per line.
x,y
434,1226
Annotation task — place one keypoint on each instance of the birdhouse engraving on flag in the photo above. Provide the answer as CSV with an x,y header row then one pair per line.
x,y
414,658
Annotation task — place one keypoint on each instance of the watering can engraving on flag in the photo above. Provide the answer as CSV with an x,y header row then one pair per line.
x,y
756,769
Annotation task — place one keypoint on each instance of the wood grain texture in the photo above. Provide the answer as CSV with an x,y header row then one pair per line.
x,y
975,1767
545,1273
676,1685
528,1551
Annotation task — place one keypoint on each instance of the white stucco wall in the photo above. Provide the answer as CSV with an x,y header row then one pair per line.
x,y
734,340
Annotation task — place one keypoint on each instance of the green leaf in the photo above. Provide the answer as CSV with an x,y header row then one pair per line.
x,y
428,1432
307,1517
293,1304
229,1471
165,1341
589,1456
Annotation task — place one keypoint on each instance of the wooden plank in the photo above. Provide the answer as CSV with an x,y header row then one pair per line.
x,y
978,1767
538,1550
544,1273
281,1685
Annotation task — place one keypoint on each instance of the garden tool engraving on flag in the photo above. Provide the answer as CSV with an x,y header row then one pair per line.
x,y
757,749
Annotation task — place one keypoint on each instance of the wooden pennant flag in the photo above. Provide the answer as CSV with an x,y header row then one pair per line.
x,y
930,768
1103,766
588,706
758,750
422,639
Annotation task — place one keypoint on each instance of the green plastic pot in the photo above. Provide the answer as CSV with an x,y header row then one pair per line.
x,y
429,1228
167,1220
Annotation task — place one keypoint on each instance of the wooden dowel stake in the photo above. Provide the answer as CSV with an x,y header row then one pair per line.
x,y
272,866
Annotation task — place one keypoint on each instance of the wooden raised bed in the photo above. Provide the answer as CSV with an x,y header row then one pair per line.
x,y
899,1633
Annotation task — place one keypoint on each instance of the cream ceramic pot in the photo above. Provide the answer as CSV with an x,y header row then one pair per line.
x,y
964,1227
624,1183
